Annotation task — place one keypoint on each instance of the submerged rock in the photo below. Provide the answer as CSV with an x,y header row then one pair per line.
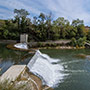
x,y
83,56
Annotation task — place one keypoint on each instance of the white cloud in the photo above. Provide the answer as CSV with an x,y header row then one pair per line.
x,y
70,9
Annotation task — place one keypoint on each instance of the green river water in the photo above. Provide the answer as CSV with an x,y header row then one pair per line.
x,y
77,69
10,57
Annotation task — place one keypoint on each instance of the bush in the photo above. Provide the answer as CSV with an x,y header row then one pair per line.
x,y
56,36
48,45
73,42
53,44
39,44
81,41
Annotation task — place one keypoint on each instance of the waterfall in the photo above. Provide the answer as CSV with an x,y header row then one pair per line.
x,y
46,68
21,46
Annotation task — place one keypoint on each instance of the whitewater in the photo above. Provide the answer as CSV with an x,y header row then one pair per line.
x,y
47,69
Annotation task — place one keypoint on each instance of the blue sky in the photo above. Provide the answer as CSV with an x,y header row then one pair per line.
x,y
69,9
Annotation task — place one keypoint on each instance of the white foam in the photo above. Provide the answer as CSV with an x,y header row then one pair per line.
x,y
75,71
69,62
42,66
21,46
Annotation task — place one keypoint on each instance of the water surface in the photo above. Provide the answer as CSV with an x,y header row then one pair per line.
x,y
76,68
10,57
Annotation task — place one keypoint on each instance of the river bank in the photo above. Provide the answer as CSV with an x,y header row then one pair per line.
x,y
59,44
69,54
8,41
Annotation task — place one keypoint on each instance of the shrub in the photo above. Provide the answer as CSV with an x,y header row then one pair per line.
x,y
56,36
39,44
54,44
73,42
48,44
81,41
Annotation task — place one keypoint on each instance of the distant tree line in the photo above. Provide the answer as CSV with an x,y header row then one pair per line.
x,y
43,28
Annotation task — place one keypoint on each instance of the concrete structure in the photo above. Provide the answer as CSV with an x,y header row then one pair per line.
x,y
23,38
20,76
13,73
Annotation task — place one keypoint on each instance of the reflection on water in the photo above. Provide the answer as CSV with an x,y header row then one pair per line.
x,y
9,57
78,69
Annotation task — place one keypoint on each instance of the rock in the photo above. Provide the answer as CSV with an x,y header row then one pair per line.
x,y
81,55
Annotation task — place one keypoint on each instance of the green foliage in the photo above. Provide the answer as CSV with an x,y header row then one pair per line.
x,y
43,28
21,19
56,36
88,36
73,42
39,44
77,22
79,42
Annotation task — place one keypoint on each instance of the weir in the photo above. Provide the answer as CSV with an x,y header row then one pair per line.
x,y
46,68
13,73
21,45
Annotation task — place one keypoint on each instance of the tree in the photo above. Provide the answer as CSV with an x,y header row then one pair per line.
x,y
80,31
49,26
71,32
42,18
73,42
41,28
35,20
77,22
79,25
20,18
61,23
81,41
9,30
88,36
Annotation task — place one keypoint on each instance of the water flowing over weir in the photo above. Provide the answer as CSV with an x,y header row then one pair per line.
x,y
46,68
21,46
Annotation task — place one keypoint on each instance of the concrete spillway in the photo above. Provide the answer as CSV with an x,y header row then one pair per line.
x,y
45,68
13,73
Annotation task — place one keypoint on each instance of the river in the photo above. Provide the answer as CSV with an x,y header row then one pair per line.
x,y
10,57
76,69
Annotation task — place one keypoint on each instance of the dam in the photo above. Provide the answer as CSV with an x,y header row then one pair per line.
x,y
46,68
13,72
42,66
